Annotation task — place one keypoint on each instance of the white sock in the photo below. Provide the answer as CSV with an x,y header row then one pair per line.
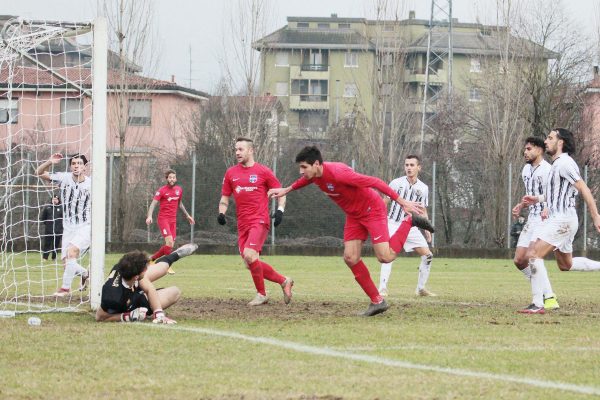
x,y
72,268
584,264
527,272
384,276
424,269
539,280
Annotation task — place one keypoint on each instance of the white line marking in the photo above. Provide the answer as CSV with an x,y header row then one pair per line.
x,y
326,351
508,348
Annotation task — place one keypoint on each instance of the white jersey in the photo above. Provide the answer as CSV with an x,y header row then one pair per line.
x,y
535,179
76,198
560,191
418,192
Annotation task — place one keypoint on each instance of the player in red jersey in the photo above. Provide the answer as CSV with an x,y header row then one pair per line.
x,y
169,197
248,183
366,214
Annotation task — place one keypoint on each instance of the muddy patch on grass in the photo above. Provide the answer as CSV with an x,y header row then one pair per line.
x,y
218,308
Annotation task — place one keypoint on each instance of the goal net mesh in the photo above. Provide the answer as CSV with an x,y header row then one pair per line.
x,y
45,108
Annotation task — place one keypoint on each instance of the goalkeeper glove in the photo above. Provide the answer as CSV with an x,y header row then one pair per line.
x,y
159,317
139,314
221,219
278,217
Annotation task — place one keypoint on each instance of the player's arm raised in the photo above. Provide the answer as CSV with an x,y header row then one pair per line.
x,y
151,211
42,170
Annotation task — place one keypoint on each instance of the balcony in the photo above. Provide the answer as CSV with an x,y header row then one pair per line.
x,y
418,75
309,71
309,102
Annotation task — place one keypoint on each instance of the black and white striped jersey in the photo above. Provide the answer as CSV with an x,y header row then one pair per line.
x,y
560,191
535,179
76,198
418,192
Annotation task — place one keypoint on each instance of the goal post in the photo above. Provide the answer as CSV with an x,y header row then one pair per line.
x,y
53,99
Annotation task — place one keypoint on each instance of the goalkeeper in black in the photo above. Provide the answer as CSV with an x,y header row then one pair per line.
x,y
128,295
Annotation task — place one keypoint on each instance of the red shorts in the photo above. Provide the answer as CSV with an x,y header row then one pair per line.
x,y
374,224
168,227
252,237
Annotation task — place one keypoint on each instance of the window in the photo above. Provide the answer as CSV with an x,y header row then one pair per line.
x,y
281,89
140,112
475,65
302,24
351,60
344,26
71,111
350,90
313,121
281,59
474,94
9,111
388,28
323,25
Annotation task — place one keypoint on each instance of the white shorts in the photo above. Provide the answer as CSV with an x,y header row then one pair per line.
x,y
528,234
415,237
559,232
78,236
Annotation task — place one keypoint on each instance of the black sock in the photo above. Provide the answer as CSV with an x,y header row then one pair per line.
x,y
169,259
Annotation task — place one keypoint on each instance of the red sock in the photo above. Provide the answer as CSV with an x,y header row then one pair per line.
x,y
399,237
257,276
363,277
270,274
163,251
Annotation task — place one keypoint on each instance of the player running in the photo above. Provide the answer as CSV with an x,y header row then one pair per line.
x,y
411,188
535,175
75,190
169,197
248,182
365,215
560,222
128,295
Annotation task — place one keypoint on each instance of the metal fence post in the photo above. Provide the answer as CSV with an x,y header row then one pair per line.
x,y
585,221
433,168
110,192
193,194
273,204
509,209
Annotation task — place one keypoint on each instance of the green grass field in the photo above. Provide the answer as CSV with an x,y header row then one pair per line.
x,y
467,343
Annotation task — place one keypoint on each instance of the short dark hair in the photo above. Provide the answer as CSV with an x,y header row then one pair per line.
x,y
416,157
133,263
309,154
78,155
245,139
536,141
169,172
568,139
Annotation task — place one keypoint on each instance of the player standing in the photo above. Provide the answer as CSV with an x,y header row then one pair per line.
x,y
75,190
535,175
128,295
365,215
560,222
248,183
169,197
411,188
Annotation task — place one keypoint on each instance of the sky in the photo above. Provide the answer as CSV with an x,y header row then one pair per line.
x,y
190,32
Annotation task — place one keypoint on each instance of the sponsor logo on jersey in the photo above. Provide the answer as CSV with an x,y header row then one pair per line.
x,y
235,179
172,198
245,188
253,178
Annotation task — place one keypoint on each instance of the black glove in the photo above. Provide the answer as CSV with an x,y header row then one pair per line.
x,y
221,219
278,217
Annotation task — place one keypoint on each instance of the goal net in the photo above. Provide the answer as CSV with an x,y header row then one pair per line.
x,y
52,100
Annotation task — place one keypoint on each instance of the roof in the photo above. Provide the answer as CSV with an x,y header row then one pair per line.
x,y
36,78
479,44
288,38
326,19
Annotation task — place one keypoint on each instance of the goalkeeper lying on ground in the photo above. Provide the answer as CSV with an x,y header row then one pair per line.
x,y
128,294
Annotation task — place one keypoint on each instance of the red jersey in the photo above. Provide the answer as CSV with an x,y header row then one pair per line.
x,y
169,198
249,186
352,191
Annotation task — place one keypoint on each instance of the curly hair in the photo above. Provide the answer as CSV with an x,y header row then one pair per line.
x,y
133,263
